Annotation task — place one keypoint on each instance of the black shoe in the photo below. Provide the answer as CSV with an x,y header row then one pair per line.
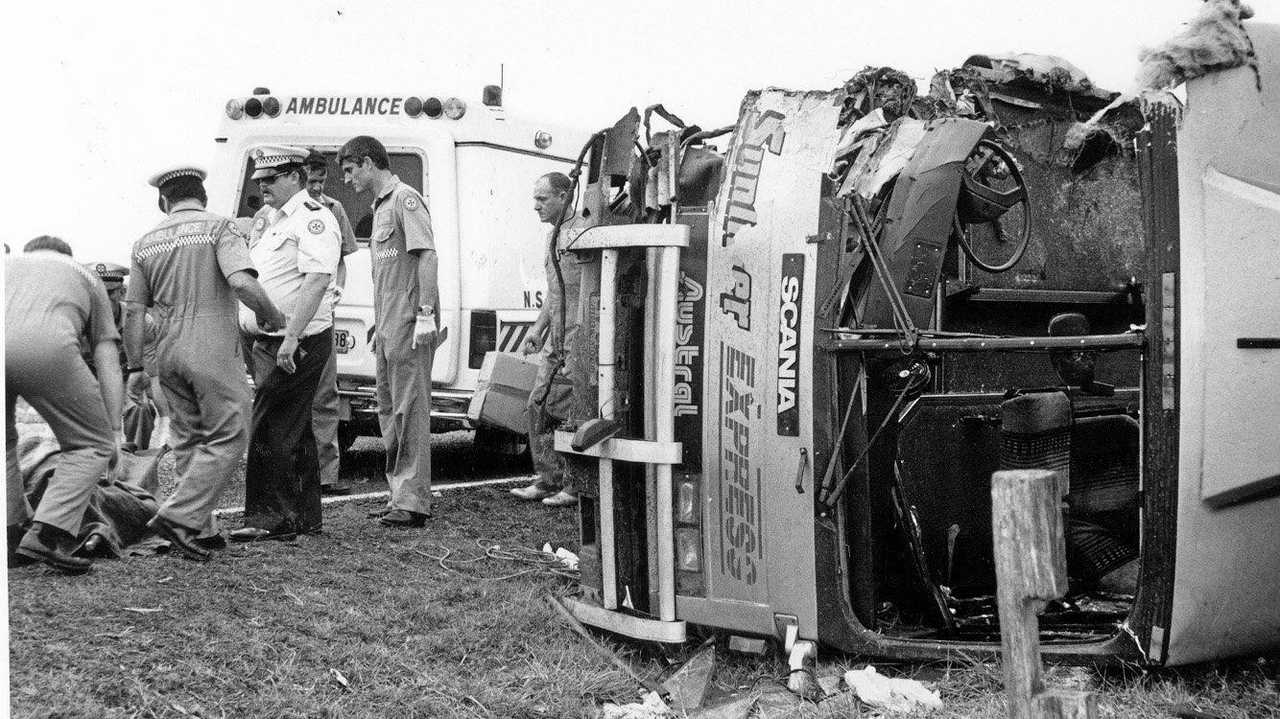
x,y
404,518
180,537
378,513
255,534
213,543
53,546
336,489
14,537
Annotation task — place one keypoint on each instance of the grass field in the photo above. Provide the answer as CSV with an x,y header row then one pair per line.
x,y
367,621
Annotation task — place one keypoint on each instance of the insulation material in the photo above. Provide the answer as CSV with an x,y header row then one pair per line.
x,y
1215,39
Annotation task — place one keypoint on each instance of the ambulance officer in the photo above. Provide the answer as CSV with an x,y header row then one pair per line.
x,y
296,258
324,412
50,302
191,268
406,309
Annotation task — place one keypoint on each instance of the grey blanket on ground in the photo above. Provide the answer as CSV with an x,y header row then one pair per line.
x,y
120,508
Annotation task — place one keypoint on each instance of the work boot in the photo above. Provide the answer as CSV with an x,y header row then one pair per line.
x,y
563,498
53,546
15,533
403,518
535,491
183,539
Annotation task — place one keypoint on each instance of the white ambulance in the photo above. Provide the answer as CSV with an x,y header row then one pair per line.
x,y
475,164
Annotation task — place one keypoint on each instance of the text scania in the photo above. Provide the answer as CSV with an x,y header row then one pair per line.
x,y
344,106
792,295
764,131
739,509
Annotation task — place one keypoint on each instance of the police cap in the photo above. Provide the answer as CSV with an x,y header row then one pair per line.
x,y
269,160
109,272
174,173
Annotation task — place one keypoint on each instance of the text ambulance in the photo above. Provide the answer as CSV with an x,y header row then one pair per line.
x,y
475,165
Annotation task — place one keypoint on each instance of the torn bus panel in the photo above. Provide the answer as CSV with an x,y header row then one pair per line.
x,y
894,295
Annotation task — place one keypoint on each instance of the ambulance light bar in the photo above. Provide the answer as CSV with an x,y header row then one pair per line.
x,y
454,108
253,107
264,104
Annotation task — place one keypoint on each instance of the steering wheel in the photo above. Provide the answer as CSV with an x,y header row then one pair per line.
x,y
991,186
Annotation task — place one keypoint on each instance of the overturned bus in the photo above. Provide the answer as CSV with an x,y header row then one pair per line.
x,y
814,355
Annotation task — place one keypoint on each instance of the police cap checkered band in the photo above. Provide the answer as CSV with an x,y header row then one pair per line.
x,y
174,173
268,160
108,271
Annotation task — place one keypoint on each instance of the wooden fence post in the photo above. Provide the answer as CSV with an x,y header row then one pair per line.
x,y
1031,570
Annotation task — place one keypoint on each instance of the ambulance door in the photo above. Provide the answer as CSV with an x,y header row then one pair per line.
x,y
1227,560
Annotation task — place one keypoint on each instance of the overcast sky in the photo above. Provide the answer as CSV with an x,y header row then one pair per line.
x,y
100,94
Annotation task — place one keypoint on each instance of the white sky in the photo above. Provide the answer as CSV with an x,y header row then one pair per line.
x,y
99,95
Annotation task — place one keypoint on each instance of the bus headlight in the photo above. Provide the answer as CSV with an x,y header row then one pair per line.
x,y
688,549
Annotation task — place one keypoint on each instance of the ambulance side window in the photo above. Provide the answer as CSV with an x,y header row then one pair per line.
x,y
407,166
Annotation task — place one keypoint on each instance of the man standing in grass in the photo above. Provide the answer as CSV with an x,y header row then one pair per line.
x,y
324,411
552,398
191,268
406,310
297,257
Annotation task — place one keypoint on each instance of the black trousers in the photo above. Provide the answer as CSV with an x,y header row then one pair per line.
x,y
282,479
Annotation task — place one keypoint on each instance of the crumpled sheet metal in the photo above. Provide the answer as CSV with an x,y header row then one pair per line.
x,y
1050,71
881,156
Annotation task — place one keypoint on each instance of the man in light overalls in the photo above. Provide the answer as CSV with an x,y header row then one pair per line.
x,y
192,268
50,302
406,310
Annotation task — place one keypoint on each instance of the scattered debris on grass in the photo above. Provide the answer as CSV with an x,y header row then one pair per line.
x,y
892,694
566,557
687,687
651,706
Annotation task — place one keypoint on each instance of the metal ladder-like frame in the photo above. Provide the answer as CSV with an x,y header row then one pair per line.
x,y
662,244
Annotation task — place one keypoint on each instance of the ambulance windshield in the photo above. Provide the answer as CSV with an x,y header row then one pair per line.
x,y
406,165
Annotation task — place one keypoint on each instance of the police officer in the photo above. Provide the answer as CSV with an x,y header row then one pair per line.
x,y
140,414
50,302
191,268
550,401
324,411
406,309
296,257
112,277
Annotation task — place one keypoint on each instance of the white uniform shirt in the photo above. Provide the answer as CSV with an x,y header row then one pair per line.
x,y
301,237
